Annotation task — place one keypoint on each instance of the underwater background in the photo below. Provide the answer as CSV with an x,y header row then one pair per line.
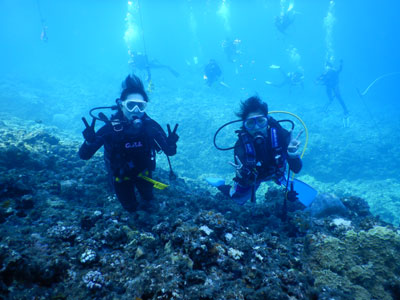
x,y
50,82
85,59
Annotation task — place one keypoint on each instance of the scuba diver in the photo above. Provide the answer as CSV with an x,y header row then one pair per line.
x,y
330,78
284,20
291,79
260,153
212,72
130,139
231,49
43,34
140,62
295,78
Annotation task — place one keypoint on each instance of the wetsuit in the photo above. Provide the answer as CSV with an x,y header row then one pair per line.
x,y
331,81
128,152
212,71
261,161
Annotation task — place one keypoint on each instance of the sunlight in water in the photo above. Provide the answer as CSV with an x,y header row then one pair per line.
x,y
285,10
291,5
294,55
192,22
329,21
131,34
282,4
223,12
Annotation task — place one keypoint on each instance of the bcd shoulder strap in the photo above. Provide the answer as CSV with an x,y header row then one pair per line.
x,y
249,149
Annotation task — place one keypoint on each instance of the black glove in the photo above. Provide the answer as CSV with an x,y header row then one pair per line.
x,y
89,134
172,137
292,194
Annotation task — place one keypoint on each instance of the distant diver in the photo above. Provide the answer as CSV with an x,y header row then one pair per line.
x,y
285,19
212,73
260,154
291,79
231,50
43,35
140,62
131,140
330,78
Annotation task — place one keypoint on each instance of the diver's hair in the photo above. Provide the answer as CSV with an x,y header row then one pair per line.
x,y
133,85
251,105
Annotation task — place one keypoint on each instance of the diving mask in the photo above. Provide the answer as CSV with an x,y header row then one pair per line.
x,y
257,121
134,105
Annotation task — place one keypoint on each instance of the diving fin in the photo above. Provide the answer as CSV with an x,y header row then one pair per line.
x,y
216,182
274,67
306,193
224,84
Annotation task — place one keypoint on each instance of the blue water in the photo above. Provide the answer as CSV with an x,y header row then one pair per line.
x,y
86,58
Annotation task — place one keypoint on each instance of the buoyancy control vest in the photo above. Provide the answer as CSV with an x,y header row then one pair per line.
x,y
129,151
277,170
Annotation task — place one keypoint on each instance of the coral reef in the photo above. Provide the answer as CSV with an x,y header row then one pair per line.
x,y
65,236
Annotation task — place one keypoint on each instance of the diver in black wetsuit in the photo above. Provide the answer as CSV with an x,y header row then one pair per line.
x,y
130,139
330,78
261,152
141,62
212,72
